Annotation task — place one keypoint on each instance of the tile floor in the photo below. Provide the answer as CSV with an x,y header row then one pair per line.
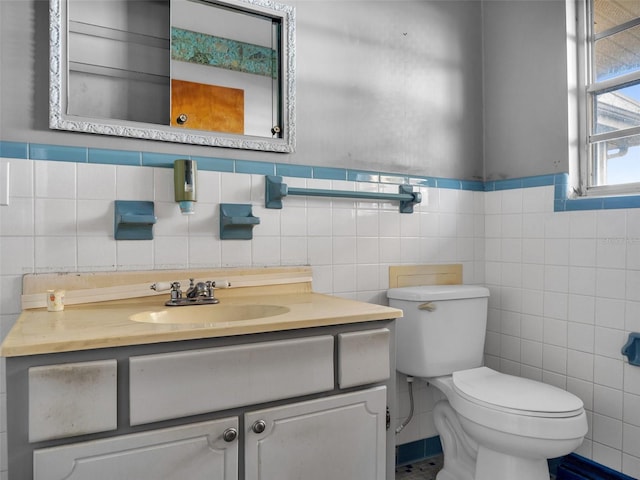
x,y
423,470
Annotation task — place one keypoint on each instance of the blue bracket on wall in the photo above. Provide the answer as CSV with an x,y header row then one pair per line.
x,y
631,349
275,191
237,221
133,220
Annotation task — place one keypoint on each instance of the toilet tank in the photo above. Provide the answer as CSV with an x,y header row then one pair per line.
x,y
443,328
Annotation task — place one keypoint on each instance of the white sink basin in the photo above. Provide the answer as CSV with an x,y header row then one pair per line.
x,y
209,314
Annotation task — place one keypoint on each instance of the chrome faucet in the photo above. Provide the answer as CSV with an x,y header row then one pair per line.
x,y
201,293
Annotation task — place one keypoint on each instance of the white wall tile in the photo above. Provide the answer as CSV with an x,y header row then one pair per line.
x,y
171,252
607,401
17,255
580,365
533,250
608,456
582,280
581,336
611,224
632,316
95,218
96,182
633,285
22,178
236,188
582,309
293,251
265,251
554,359
631,410
611,283
533,277
610,313
556,305
609,342
134,254
209,187
556,225
631,379
96,253
607,431
55,254
531,353
237,253
582,224
607,372
55,216
134,183
582,252
533,225
55,179
631,465
555,332
583,390
632,440
18,217
205,252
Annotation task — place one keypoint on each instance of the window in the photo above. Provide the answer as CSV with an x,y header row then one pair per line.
x,y
612,96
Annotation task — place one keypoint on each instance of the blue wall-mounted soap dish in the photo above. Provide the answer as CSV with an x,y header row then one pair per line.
x,y
133,220
631,349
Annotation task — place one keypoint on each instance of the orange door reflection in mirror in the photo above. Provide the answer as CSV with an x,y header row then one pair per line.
x,y
198,106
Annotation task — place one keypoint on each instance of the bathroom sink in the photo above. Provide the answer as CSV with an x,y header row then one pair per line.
x,y
208,314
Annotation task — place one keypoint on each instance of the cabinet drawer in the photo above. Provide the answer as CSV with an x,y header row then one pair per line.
x,y
72,399
363,357
191,452
174,385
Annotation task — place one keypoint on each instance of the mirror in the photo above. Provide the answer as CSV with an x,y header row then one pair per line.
x,y
205,72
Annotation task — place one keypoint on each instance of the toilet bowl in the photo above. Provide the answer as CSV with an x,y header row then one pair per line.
x,y
492,426
515,424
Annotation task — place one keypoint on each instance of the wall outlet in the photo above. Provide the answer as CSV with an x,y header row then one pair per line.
x,y
4,182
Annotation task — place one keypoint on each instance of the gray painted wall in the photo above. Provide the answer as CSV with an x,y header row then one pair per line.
x,y
391,85
526,109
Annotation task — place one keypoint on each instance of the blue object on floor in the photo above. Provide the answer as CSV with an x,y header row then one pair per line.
x,y
576,467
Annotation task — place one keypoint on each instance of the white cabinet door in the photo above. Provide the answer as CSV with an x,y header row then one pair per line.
x,y
335,437
193,452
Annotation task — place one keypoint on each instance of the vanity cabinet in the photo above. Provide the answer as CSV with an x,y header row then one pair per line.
x,y
309,403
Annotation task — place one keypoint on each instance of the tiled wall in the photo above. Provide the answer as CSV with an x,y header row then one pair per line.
x,y
565,285
60,219
565,293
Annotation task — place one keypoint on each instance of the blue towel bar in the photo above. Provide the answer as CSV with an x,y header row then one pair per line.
x,y
275,191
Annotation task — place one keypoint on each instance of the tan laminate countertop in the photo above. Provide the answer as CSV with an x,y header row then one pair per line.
x,y
107,324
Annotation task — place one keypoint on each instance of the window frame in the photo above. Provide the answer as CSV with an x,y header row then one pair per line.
x,y
589,89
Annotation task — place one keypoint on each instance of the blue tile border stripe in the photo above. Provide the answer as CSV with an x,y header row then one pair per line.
x,y
560,181
418,450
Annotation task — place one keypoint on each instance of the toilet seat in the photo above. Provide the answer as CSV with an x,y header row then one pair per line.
x,y
515,395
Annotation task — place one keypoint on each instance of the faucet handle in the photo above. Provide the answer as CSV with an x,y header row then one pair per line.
x,y
162,286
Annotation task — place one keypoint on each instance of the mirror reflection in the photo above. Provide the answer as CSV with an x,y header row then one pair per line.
x,y
193,71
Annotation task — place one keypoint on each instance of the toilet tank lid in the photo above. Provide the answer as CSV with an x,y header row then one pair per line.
x,y
425,293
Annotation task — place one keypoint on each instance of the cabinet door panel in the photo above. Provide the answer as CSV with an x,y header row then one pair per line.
x,y
342,436
194,452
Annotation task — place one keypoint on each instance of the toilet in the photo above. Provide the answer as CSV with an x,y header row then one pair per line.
x,y
492,426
